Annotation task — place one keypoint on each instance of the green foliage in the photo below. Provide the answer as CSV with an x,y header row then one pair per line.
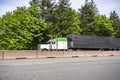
x,y
116,23
105,26
65,20
60,18
34,2
34,11
87,16
21,30
46,9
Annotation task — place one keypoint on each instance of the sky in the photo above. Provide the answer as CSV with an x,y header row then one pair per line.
x,y
104,6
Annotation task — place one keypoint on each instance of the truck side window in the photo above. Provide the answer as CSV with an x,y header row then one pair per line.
x,y
53,42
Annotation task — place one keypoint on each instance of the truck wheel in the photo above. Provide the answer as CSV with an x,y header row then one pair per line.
x,y
45,49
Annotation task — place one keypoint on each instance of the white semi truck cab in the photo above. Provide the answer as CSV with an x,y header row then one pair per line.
x,y
54,44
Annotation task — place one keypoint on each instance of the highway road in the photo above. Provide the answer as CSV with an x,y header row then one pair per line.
x,y
84,68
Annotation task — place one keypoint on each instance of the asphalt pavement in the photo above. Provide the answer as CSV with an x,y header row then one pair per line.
x,y
84,68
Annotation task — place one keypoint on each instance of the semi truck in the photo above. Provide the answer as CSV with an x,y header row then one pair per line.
x,y
84,42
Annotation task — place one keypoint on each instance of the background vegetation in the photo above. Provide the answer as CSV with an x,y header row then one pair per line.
x,y
24,28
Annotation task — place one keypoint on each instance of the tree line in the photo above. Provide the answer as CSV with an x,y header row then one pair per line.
x,y
26,27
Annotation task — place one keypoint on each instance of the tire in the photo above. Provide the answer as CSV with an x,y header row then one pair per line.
x,y
44,49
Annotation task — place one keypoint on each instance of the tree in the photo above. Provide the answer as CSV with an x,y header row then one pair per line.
x,y
87,16
34,2
116,23
46,9
21,30
105,26
60,18
65,20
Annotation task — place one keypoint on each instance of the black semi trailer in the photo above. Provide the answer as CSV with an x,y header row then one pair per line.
x,y
92,42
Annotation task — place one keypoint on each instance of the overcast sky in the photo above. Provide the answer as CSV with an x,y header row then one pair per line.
x,y
104,6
